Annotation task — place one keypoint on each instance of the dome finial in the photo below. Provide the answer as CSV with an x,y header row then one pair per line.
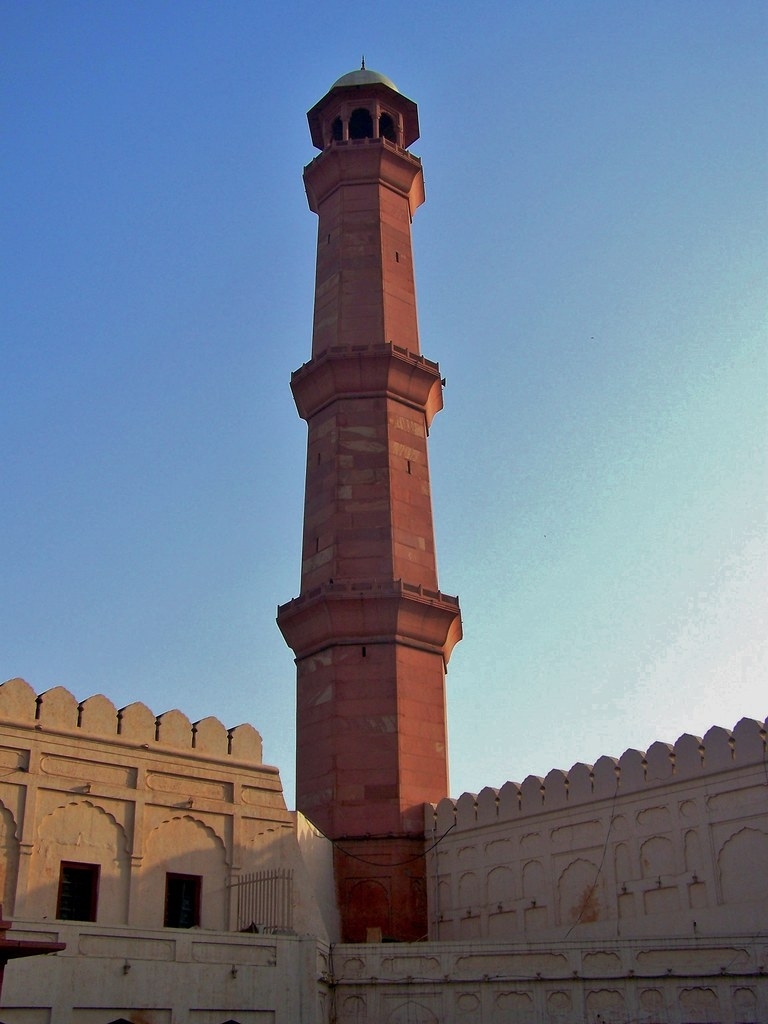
x,y
362,63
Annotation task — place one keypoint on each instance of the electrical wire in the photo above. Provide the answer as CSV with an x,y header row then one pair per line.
x,y
380,864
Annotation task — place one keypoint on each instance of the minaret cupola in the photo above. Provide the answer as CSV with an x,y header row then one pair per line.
x,y
363,105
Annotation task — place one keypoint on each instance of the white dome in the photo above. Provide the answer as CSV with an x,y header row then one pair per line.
x,y
364,77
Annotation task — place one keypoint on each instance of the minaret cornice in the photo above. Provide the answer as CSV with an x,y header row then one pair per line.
x,y
341,613
363,161
368,371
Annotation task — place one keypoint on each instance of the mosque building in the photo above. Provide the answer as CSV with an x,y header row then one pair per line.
x,y
158,855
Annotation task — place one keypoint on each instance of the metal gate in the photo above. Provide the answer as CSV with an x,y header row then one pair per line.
x,y
265,901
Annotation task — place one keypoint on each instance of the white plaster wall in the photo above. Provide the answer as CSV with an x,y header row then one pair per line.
x,y
140,796
668,981
634,890
317,854
165,976
672,842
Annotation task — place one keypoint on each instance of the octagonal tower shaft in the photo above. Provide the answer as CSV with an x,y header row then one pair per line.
x,y
371,631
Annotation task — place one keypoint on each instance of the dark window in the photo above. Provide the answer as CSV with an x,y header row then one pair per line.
x,y
360,124
78,891
182,901
387,128
337,131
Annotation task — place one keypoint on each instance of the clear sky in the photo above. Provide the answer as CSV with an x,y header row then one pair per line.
x,y
591,268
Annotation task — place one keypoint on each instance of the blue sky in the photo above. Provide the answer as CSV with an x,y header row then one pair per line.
x,y
591,270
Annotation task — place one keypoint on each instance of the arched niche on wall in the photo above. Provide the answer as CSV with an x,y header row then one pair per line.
x,y
657,857
501,884
412,1013
371,894
184,847
741,863
354,1008
9,860
622,863
533,880
80,833
581,894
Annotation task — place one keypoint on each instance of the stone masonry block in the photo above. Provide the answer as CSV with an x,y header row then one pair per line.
x,y
210,737
488,806
632,767
556,786
17,701
98,716
581,778
174,729
57,709
606,777
660,761
689,753
137,723
466,811
718,749
749,738
532,794
509,801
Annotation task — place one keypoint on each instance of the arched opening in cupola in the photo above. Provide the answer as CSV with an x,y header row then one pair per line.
x,y
387,128
337,130
361,124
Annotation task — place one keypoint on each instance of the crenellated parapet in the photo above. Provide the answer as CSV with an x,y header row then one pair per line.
x,y
636,771
59,711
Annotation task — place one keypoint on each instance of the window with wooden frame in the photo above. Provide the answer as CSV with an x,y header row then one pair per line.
x,y
78,891
182,900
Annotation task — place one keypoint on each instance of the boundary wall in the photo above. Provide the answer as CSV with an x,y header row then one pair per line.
x,y
667,981
634,891
671,842
133,799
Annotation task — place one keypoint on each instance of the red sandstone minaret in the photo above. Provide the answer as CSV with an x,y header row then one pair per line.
x,y
371,632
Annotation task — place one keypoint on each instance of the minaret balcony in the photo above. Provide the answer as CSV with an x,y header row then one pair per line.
x,y
371,611
368,371
347,162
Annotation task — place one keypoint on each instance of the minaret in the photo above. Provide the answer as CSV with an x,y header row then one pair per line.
x,y
371,632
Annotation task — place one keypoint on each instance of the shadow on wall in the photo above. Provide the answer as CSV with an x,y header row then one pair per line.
x,y
141,821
